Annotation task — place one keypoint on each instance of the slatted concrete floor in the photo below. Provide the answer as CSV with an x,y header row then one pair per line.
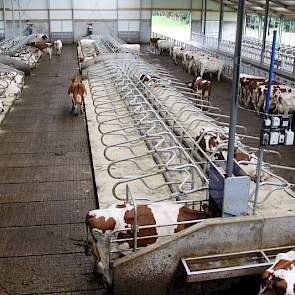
x,y
46,188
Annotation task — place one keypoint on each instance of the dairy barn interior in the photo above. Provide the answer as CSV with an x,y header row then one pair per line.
x,y
146,147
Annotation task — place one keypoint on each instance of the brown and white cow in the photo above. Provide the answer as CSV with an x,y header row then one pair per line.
x,y
44,47
279,279
103,222
209,139
248,89
154,45
202,87
152,80
76,92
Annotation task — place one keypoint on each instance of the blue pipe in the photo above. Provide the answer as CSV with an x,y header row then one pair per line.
x,y
271,69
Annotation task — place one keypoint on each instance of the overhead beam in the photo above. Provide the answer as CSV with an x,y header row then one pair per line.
x,y
283,5
246,8
264,30
258,4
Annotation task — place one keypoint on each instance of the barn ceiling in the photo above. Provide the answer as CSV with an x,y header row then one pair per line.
x,y
284,8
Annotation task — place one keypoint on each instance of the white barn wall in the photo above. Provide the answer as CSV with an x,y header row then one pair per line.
x,y
131,18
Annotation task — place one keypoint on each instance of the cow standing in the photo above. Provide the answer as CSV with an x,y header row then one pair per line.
x,y
58,46
76,92
103,222
154,45
202,87
44,47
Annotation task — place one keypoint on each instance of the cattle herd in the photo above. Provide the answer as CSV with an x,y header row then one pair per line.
x,y
253,89
211,140
19,61
253,93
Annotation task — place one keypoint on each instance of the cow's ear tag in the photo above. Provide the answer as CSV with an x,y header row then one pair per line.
x,y
120,205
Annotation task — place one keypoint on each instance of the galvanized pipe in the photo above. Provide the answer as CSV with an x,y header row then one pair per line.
x,y
264,30
235,89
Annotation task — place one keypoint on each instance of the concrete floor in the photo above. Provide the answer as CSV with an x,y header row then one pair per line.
x,y
46,188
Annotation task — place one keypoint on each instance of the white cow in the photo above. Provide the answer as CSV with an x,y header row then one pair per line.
x,y
194,62
286,103
103,222
210,65
58,46
165,45
177,52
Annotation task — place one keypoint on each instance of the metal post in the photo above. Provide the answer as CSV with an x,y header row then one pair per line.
x,y
202,11
13,20
73,24
260,27
281,30
258,174
191,21
140,20
264,30
4,17
205,18
261,148
220,22
235,91
19,18
48,14
271,69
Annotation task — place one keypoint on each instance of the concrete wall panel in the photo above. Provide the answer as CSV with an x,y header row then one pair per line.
x,y
129,3
153,267
171,4
128,14
61,14
95,4
94,14
31,4
60,4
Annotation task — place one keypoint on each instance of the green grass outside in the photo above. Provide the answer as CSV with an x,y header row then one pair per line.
x,y
171,28
163,21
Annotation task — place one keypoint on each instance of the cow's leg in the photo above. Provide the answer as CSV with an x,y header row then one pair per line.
x,y
219,75
49,51
73,102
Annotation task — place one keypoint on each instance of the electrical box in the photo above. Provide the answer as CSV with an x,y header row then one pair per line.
x,y
276,122
230,195
289,137
277,130
274,138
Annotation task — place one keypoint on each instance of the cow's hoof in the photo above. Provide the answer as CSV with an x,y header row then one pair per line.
x,y
96,274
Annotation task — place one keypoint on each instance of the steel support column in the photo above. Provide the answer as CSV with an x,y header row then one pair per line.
x,y
191,22
19,18
264,30
4,18
13,19
235,88
202,12
205,17
48,14
220,22
73,24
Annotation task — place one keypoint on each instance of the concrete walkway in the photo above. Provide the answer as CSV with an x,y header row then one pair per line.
x,y
46,188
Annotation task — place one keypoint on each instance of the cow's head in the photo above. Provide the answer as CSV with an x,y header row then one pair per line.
x,y
279,279
272,285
